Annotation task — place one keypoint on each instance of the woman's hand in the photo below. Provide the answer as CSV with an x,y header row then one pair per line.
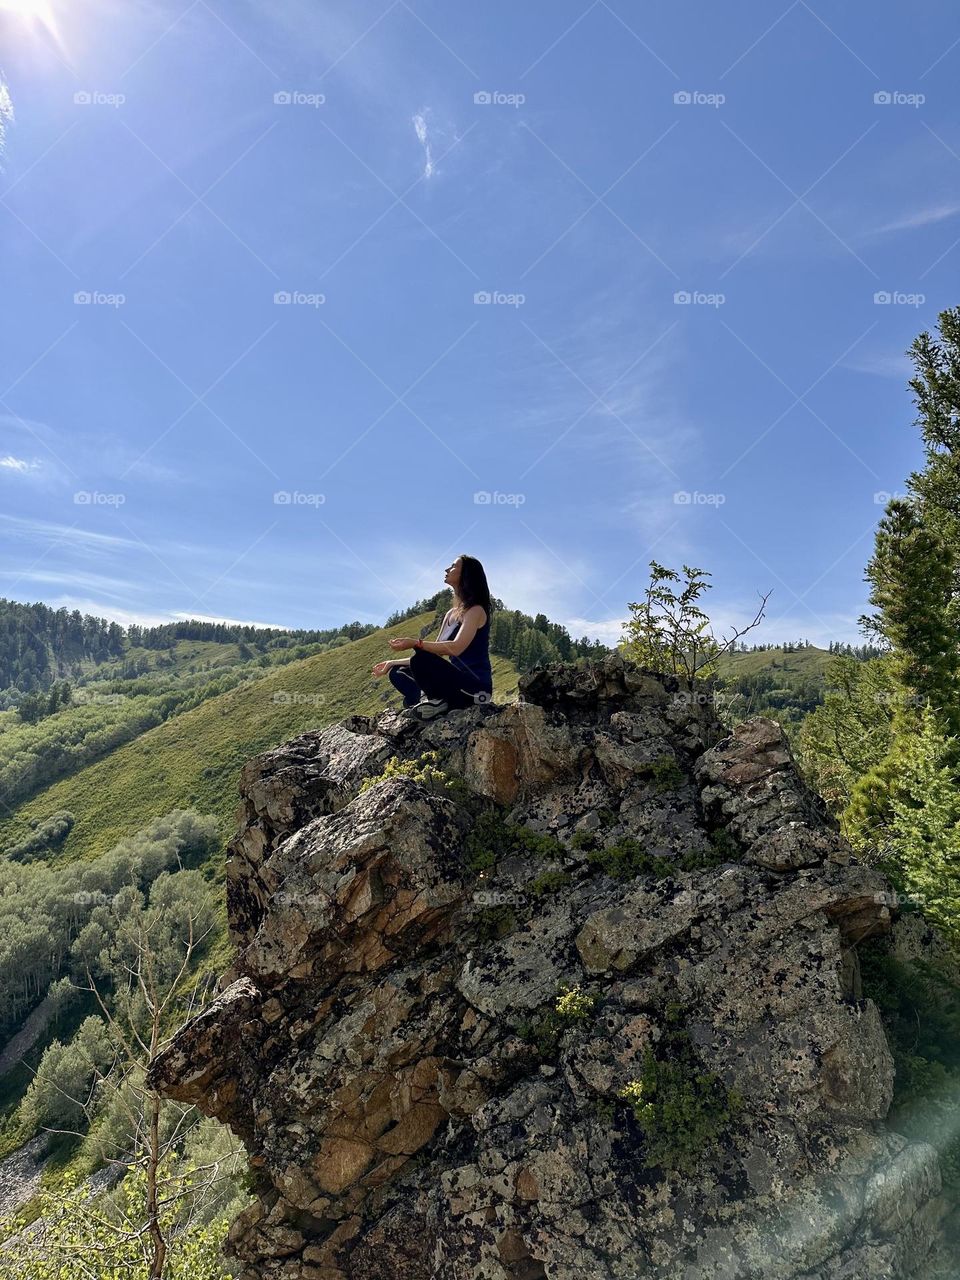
x,y
382,668
402,642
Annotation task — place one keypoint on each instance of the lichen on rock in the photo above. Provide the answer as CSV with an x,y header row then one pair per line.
x,y
423,1095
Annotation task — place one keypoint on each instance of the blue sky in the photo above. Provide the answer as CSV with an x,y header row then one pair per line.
x,y
385,167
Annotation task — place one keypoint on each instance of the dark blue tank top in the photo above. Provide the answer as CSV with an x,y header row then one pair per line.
x,y
475,660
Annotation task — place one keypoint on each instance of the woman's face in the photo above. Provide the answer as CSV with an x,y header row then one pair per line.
x,y
452,575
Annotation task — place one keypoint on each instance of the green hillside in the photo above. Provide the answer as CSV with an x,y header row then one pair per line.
x,y
784,683
808,662
193,759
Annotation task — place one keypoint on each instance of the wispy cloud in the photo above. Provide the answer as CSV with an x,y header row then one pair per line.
x,y
113,613
919,218
232,622
118,588
6,112
535,580
46,531
882,365
423,134
18,465
609,630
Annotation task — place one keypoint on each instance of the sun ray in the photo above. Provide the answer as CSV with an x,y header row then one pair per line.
x,y
34,13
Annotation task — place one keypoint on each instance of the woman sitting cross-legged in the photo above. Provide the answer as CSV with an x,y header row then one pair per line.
x,y
452,671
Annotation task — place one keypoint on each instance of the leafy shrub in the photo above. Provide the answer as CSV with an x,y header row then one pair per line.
x,y
426,770
681,1108
725,844
628,859
584,840
570,1006
491,838
492,923
665,772
74,1235
46,836
549,882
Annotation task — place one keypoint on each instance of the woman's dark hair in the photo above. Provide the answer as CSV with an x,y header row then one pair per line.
x,y
473,587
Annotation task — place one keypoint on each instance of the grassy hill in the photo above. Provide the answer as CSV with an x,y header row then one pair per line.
x,y
785,684
801,662
193,759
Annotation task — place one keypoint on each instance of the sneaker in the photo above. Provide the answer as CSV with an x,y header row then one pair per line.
x,y
430,708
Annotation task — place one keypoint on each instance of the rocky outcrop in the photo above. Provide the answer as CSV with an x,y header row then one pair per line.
x,y
415,1101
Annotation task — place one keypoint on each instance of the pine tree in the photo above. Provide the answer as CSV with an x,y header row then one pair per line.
x,y
912,574
925,829
936,388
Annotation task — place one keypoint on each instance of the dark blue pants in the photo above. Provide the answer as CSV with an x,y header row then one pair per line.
x,y
436,677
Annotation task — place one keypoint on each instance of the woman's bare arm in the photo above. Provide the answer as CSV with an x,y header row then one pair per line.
x,y
405,662
470,624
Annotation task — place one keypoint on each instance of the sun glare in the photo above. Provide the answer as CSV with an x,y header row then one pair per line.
x,y
35,12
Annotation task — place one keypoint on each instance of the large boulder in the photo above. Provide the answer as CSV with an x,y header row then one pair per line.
x,y
426,1051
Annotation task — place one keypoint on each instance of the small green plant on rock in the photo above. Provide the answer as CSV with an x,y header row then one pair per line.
x,y
584,840
628,859
537,843
682,1109
665,772
574,1005
491,923
571,1006
549,882
605,1110
701,859
425,769
488,841
725,844
491,838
